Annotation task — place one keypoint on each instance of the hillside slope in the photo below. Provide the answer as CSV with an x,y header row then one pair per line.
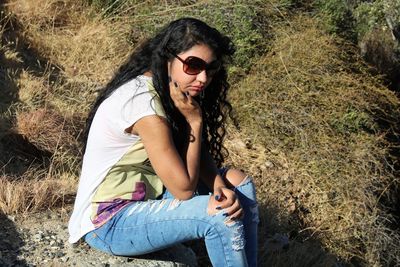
x,y
316,128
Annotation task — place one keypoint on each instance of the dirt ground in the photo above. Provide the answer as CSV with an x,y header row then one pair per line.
x,y
41,240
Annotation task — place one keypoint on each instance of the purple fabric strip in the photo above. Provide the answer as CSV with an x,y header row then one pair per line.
x,y
106,210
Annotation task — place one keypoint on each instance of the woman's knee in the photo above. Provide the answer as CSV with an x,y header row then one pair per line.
x,y
234,177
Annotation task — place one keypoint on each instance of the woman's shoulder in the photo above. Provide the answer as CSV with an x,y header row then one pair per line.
x,y
139,85
138,94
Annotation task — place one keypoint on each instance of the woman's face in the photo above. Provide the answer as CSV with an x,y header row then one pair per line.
x,y
191,84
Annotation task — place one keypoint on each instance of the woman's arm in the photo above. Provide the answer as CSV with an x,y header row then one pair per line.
x,y
179,175
179,178
224,198
209,173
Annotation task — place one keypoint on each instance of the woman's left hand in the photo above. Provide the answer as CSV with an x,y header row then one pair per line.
x,y
227,200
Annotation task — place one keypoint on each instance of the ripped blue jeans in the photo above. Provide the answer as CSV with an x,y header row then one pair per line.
x,y
146,226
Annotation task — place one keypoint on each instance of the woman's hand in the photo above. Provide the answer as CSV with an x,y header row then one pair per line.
x,y
225,199
189,107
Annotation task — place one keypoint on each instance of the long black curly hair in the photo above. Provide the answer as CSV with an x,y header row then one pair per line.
x,y
154,54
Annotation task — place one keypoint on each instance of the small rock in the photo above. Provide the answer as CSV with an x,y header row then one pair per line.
x,y
269,164
37,237
292,207
274,151
112,261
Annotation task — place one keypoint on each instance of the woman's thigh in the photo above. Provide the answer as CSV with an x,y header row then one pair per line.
x,y
147,226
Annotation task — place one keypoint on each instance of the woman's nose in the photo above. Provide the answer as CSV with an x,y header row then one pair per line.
x,y
202,76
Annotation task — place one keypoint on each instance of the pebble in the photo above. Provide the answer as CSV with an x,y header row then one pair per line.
x,y
269,164
64,259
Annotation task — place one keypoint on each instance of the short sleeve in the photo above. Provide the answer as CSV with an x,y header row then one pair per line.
x,y
135,100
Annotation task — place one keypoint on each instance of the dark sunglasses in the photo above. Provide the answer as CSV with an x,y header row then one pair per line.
x,y
194,65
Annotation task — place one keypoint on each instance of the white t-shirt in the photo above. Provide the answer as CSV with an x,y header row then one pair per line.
x,y
107,143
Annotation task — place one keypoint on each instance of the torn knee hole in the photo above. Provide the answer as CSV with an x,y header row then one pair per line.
x,y
238,240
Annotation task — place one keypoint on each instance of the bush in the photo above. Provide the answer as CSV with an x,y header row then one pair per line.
x,y
337,17
237,19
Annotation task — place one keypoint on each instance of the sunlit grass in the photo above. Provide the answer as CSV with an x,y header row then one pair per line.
x,y
313,121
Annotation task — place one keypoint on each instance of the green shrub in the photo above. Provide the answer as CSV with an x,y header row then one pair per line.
x,y
337,17
354,121
237,19
369,15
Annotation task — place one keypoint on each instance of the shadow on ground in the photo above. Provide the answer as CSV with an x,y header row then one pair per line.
x,y
17,154
10,243
282,242
279,245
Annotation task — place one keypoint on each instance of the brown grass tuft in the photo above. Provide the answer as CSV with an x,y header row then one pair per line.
x,y
319,121
33,192
45,128
379,49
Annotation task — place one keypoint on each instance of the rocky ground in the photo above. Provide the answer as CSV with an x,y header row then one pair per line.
x,y
41,240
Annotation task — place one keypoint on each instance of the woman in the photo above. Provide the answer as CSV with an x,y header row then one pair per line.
x,y
149,176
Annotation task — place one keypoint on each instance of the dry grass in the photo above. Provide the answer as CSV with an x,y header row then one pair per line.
x,y
319,121
58,54
313,122
34,192
82,49
45,128
379,48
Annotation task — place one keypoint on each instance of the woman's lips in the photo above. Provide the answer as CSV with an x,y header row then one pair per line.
x,y
198,88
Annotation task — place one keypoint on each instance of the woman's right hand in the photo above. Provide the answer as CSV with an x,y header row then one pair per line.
x,y
185,103
227,200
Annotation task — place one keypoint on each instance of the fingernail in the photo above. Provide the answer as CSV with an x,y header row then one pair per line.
x,y
216,197
218,207
176,85
225,214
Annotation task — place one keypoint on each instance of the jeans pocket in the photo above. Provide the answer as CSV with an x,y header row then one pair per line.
x,y
96,242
